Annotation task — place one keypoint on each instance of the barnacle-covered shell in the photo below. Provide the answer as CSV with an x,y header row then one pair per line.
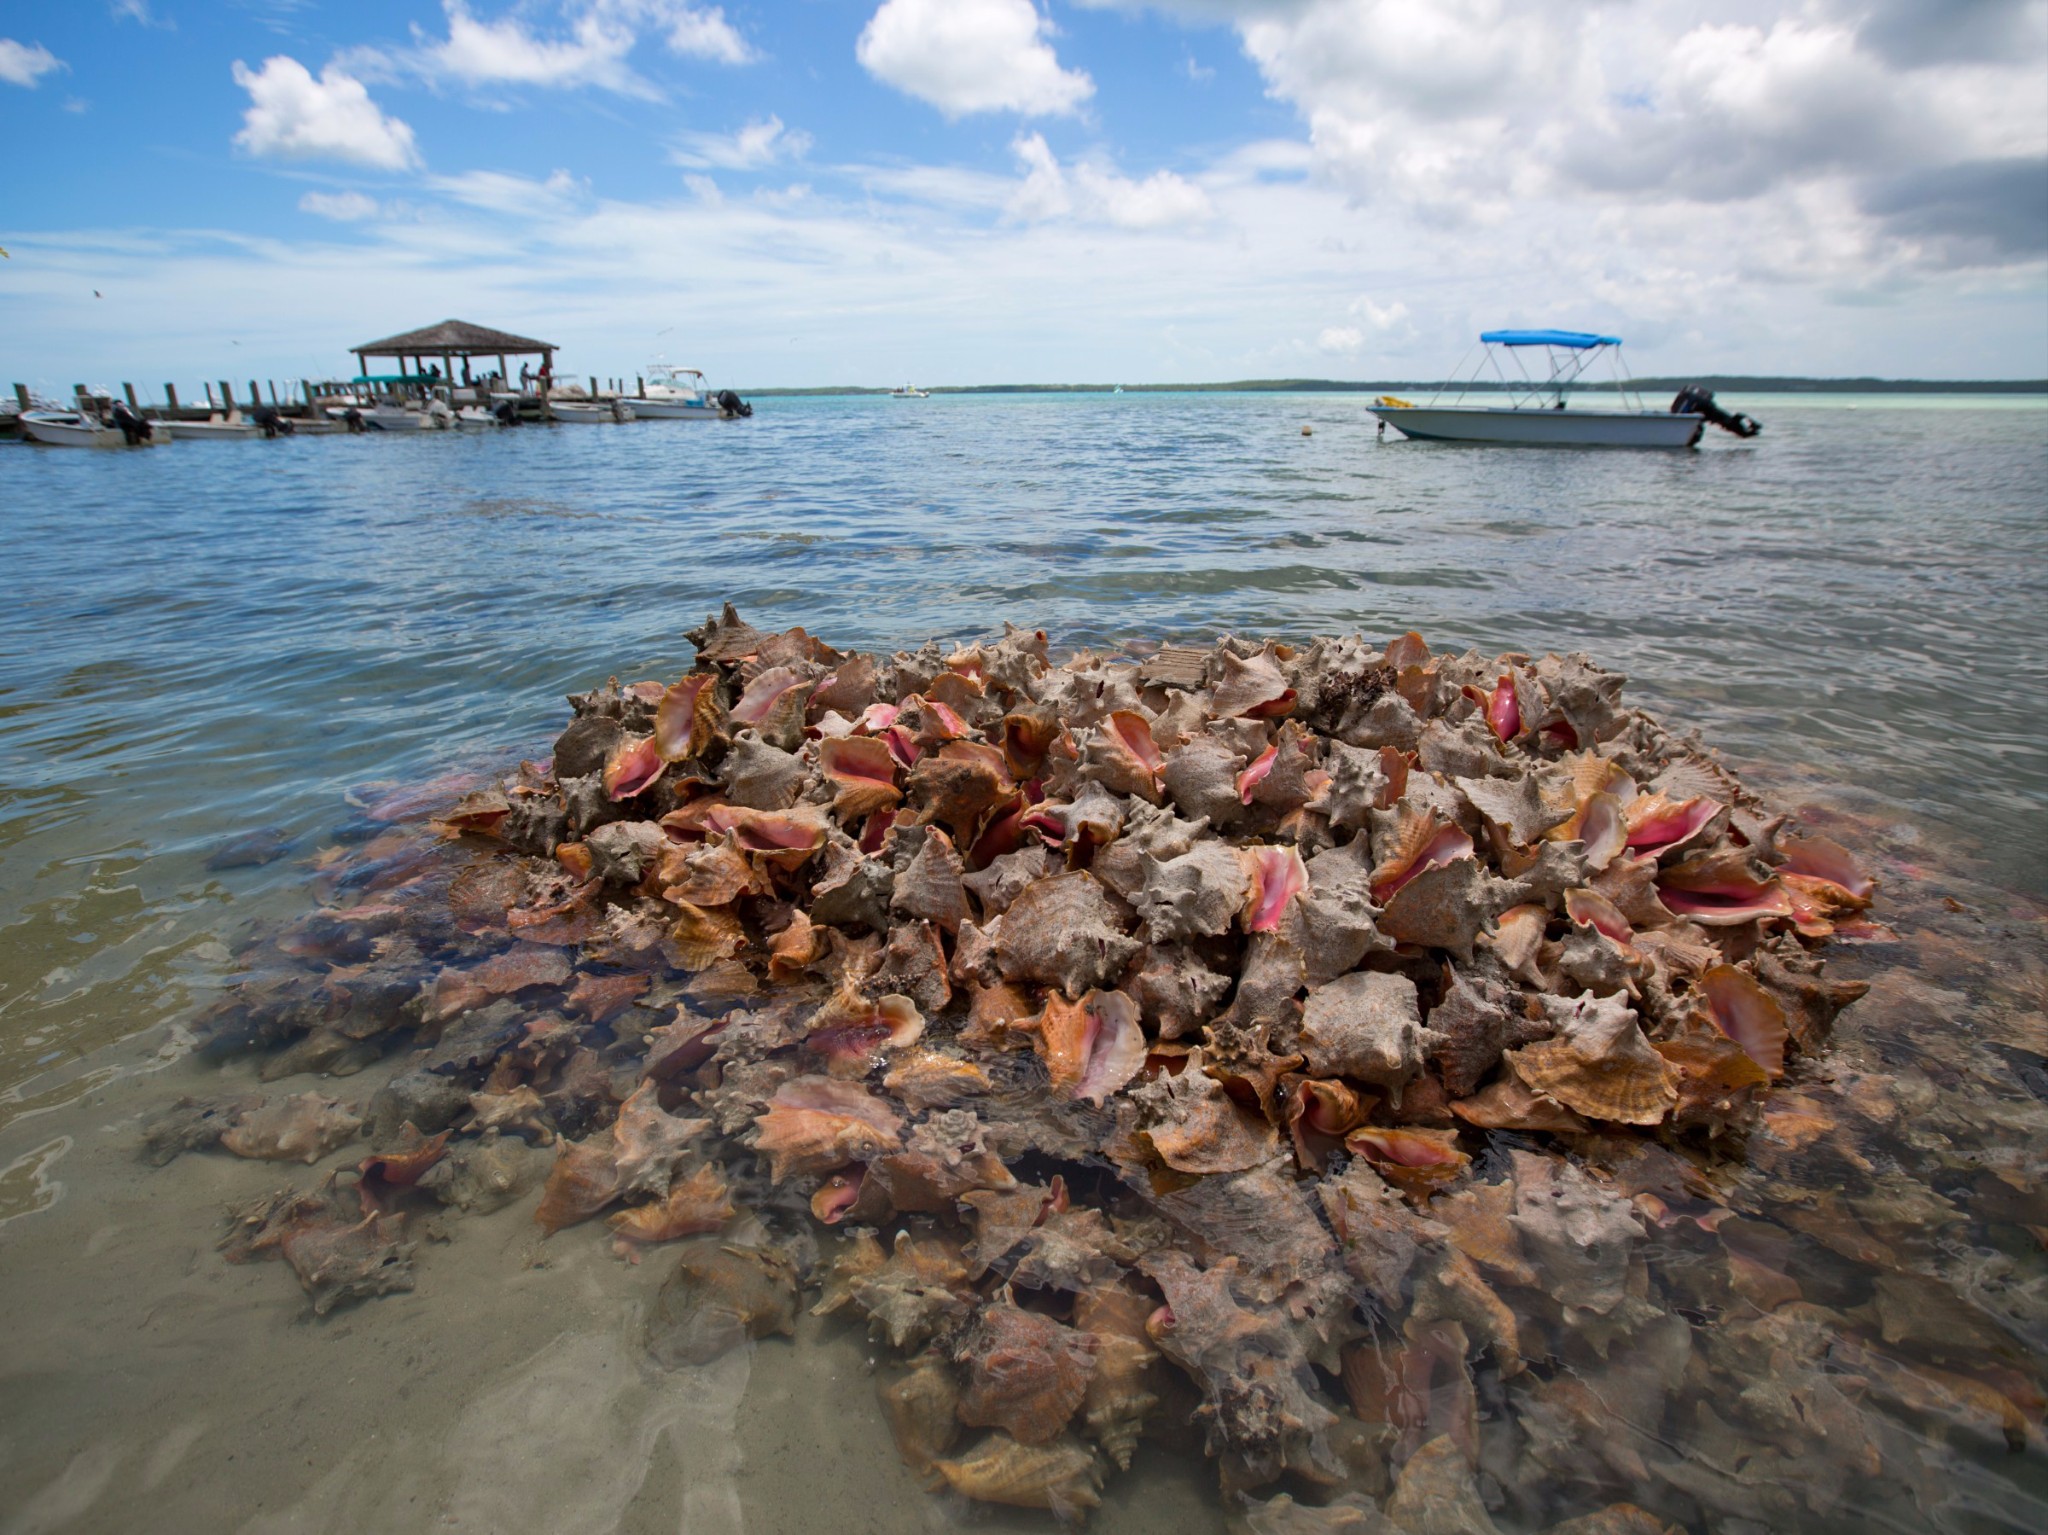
x,y
1197,1128
1447,906
1577,1234
1063,932
1366,1026
1026,1374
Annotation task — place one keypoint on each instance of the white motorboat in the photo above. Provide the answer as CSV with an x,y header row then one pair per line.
x,y
1537,413
215,428
909,392
591,410
77,429
475,416
391,418
676,394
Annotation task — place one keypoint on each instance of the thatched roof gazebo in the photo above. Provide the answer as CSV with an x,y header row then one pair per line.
x,y
452,339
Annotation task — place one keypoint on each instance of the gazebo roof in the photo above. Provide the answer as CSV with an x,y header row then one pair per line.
x,y
453,336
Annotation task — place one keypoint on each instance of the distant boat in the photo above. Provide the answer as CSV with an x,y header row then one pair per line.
x,y
910,392
78,429
1537,415
1118,390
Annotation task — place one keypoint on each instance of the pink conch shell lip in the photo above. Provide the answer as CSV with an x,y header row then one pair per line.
x,y
1504,710
950,723
1746,1013
1135,731
766,691
1115,1046
1652,827
1828,861
781,836
878,718
1594,910
1724,902
632,767
858,1030
838,1194
1253,776
1277,875
1448,845
681,720
902,745
1403,1148
1602,825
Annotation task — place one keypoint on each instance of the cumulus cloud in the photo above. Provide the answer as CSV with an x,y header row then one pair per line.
x,y
342,207
1833,124
26,63
295,116
1094,192
760,143
967,56
591,49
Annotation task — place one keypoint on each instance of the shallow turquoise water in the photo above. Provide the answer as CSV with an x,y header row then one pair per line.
x,y
230,636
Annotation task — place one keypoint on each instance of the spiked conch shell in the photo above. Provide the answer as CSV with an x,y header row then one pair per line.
x,y
1721,890
632,767
1414,1161
854,1032
1026,1374
1274,876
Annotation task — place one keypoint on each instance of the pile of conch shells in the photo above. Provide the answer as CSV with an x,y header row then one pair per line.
x,y
1208,1039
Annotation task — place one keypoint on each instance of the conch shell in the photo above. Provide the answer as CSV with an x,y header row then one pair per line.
x,y
1063,1475
1091,1047
1600,1064
815,1124
1026,1374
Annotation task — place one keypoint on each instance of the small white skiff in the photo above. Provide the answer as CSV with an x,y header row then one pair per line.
x,y
1537,413
214,429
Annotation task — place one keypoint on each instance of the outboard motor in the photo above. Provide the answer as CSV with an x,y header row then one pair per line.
x,y
132,426
507,412
271,420
732,405
353,420
1692,398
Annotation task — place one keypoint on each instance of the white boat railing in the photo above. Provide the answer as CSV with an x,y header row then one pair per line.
x,y
1569,365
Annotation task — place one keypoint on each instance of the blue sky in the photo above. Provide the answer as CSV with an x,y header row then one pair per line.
x,y
958,191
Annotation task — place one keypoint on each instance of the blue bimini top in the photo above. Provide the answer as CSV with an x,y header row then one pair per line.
x,y
1573,338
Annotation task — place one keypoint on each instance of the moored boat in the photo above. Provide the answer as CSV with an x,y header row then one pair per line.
x,y
214,428
80,429
1538,413
910,392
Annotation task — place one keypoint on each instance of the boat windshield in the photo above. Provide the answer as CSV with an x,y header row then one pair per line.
x,y
1570,356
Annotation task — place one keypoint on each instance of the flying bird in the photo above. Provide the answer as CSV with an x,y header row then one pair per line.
x,y
95,293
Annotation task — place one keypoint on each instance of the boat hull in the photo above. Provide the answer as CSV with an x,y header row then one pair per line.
x,y
1507,427
675,410
580,411
212,431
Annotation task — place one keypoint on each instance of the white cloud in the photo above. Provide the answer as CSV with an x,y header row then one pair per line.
x,y
1816,121
966,56
295,116
760,143
516,196
593,50
1092,191
26,63
1341,340
342,207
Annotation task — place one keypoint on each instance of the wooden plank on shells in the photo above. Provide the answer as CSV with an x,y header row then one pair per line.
x,y
1174,666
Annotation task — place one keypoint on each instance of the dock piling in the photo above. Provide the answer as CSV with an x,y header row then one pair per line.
x,y
133,403
227,399
171,399
21,396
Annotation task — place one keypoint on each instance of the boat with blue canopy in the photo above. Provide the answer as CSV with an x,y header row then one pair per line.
x,y
1538,412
